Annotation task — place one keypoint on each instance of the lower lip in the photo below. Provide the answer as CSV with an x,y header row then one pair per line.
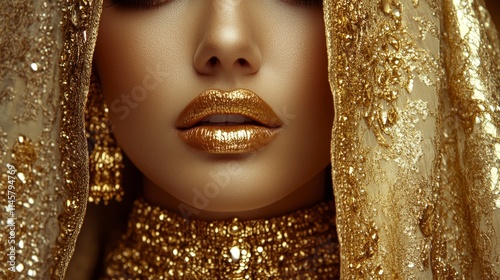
x,y
235,139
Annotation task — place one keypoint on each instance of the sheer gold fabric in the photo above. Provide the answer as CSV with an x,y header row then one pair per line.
x,y
415,145
45,52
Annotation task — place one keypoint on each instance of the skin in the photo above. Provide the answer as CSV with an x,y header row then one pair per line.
x,y
275,48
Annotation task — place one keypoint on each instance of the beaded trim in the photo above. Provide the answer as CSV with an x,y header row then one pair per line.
x,y
162,245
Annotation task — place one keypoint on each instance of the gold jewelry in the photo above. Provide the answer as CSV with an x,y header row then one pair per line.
x,y
105,159
160,244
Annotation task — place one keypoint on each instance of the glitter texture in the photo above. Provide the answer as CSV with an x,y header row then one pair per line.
x,y
44,75
163,245
415,85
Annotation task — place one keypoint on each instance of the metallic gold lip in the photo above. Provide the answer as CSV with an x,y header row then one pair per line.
x,y
228,139
241,101
231,138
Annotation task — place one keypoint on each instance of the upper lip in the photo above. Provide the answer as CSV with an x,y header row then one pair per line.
x,y
240,101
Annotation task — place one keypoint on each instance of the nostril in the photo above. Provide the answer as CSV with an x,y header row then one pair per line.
x,y
213,61
242,62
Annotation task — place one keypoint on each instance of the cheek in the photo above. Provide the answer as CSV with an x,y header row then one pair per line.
x,y
141,68
137,56
302,60
313,102
133,83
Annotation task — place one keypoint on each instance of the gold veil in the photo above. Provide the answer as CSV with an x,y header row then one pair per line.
x,y
415,144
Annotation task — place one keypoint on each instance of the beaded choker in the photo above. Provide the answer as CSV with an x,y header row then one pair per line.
x,y
160,244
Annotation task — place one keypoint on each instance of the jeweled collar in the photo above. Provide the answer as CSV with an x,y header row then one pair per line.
x,y
160,244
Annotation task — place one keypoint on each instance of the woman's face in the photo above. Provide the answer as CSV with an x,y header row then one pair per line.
x,y
223,105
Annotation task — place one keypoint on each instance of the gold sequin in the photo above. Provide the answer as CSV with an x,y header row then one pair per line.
x,y
43,76
163,245
414,140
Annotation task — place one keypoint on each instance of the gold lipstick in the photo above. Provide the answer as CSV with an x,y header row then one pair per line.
x,y
228,122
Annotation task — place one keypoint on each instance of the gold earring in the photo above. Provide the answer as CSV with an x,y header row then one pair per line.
x,y
105,158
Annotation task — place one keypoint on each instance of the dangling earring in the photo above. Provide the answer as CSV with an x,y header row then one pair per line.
x,y
105,157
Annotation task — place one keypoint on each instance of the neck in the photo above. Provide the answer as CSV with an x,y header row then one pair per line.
x,y
306,195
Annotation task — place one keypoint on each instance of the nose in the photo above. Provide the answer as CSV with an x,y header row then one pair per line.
x,y
226,44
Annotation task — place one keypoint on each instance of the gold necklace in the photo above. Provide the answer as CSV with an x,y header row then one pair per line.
x,y
160,244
